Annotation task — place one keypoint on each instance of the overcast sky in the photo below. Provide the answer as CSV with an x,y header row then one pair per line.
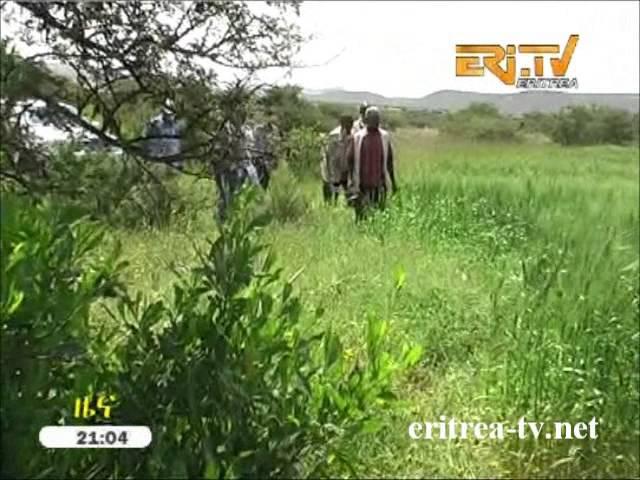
x,y
408,48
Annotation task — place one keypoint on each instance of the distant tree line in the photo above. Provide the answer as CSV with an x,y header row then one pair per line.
x,y
575,125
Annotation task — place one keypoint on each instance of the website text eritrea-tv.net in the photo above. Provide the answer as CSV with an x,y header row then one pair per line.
x,y
448,429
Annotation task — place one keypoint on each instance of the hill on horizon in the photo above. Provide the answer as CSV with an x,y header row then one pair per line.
x,y
517,103
509,103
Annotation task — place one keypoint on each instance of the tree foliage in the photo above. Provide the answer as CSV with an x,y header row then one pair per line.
x,y
583,125
127,58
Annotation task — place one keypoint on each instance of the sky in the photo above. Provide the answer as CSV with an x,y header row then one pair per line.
x,y
408,48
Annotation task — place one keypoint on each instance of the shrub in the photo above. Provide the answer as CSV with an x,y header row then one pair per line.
x,y
227,374
423,118
303,151
291,109
238,383
480,122
582,125
50,279
115,190
393,119
331,113
537,122
285,200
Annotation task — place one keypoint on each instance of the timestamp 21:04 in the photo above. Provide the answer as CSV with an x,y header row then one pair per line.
x,y
94,438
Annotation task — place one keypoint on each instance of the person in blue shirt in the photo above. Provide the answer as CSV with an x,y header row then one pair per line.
x,y
163,136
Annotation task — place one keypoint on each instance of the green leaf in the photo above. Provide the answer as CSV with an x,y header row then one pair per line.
x,y
562,461
388,395
333,350
212,470
294,277
372,426
400,277
286,292
16,299
412,356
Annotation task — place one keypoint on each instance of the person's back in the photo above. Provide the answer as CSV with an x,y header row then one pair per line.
x,y
265,158
235,167
163,137
372,155
334,166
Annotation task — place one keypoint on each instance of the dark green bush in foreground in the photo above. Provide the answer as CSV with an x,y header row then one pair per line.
x,y
50,277
227,374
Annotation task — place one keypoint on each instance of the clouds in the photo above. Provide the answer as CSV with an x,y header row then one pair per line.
x,y
408,48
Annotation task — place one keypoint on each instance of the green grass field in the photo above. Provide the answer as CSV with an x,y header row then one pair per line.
x,y
520,268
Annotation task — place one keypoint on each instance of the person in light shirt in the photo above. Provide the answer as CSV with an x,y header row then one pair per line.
x,y
334,168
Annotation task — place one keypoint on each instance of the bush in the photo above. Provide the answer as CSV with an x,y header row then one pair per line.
x,y
537,122
581,125
241,387
393,119
229,378
50,279
115,190
285,201
331,113
480,122
423,118
303,151
290,108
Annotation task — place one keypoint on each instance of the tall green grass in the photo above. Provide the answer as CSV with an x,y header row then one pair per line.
x,y
524,260
519,266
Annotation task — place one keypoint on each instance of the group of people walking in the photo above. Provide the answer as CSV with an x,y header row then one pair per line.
x,y
357,158
248,159
245,152
358,161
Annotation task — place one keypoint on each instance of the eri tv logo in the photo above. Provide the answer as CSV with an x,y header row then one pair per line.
x,y
468,64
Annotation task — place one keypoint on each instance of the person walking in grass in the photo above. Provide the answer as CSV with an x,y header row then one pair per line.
x,y
371,165
359,124
334,167
235,167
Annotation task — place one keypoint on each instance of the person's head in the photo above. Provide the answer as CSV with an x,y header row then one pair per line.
x,y
363,108
167,109
346,122
372,118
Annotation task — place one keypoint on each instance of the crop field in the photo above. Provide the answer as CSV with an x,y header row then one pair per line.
x,y
513,266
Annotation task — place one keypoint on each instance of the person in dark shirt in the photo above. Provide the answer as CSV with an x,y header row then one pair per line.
x,y
371,165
